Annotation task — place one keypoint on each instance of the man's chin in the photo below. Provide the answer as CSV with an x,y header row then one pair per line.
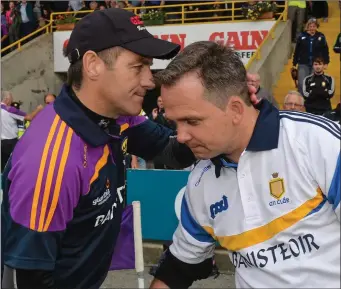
x,y
132,112
202,155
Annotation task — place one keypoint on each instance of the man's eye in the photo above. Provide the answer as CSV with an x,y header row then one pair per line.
x,y
192,122
138,67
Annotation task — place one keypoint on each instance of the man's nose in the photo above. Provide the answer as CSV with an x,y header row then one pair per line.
x,y
183,136
147,80
293,106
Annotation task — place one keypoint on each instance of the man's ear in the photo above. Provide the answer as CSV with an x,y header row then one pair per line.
x,y
91,65
236,108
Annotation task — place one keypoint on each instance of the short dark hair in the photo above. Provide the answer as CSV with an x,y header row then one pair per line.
x,y
319,60
75,71
219,67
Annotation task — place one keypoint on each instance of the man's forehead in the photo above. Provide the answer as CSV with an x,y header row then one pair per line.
x,y
135,58
293,97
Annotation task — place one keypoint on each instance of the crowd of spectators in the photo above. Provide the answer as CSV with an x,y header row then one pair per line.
x,y
311,56
20,18
310,59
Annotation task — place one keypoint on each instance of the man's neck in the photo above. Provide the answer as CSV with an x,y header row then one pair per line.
x,y
318,73
244,135
94,102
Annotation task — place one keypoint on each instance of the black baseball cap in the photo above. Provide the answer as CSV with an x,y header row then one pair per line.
x,y
103,29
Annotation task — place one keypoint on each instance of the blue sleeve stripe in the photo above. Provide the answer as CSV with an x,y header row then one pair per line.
x,y
191,226
334,189
318,123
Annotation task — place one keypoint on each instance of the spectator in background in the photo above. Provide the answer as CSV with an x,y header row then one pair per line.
x,y
137,3
158,115
9,11
334,115
75,5
9,126
49,98
294,101
45,16
4,30
93,5
13,18
121,4
20,123
28,20
37,10
318,89
261,93
320,9
310,44
296,14
337,45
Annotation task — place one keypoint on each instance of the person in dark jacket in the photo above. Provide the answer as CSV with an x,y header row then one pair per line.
x,y
158,115
337,45
318,89
320,9
334,115
310,44
28,18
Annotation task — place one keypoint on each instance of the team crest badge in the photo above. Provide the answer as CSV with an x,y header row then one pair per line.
x,y
276,185
323,84
125,145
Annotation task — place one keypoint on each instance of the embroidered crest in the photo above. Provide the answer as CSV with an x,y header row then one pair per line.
x,y
276,186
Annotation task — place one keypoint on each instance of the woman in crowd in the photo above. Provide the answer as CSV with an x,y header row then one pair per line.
x,y
13,18
310,44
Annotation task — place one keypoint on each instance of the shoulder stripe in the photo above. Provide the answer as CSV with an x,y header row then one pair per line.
x,y
60,175
100,164
322,119
325,120
317,123
41,171
50,174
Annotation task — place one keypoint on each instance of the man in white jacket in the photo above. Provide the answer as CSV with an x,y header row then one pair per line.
x,y
267,188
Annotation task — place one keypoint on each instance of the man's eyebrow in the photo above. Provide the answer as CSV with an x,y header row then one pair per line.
x,y
147,61
186,118
142,60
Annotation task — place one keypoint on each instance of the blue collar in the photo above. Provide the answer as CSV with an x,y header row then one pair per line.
x,y
265,134
76,118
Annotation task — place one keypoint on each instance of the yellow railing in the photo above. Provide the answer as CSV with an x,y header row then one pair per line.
x,y
19,43
257,55
185,16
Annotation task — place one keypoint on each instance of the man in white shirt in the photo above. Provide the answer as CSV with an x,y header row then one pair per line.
x,y
267,188
9,127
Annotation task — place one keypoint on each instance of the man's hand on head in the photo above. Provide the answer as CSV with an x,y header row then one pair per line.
x,y
252,91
